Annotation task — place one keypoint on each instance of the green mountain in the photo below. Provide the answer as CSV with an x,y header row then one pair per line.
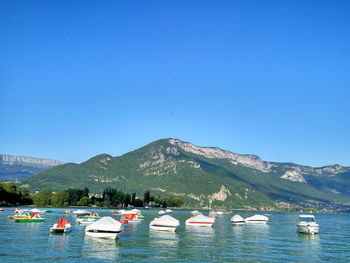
x,y
170,167
19,167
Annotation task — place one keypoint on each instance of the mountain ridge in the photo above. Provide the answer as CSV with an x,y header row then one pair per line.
x,y
13,167
201,174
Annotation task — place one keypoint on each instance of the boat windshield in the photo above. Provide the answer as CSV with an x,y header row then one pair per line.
x,y
307,219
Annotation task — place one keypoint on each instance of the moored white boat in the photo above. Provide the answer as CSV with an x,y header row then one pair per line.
x,y
200,220
161,213
195,213
168,211
257,219
88,219
37,210
237,220
307,224
63,226
164,223
81,212
106,227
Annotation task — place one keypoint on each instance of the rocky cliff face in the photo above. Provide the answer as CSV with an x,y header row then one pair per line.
x,y
248,160
7,159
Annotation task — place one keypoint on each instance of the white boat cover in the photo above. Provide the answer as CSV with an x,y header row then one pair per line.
x,y
166,220
81,211
169,211
237,218
201,219
161,212
257,218
105,224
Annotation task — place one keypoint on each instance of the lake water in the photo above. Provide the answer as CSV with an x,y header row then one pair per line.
x,y
277,241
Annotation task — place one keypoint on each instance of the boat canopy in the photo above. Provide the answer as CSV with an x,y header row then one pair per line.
x,y
105,224
307,218
166,220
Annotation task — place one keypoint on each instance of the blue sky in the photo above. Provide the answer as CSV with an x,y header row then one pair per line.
x,y
80,78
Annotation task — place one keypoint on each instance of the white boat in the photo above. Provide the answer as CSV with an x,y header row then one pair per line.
x,y
165,223
257,219
219,212
81,212
106,227
237,220
307,224
63,226
37,210
168,211
161,213
200,220
195,213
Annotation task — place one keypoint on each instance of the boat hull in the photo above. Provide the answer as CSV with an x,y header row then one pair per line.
x,y
59,230
163,228
29,220
202,224
308,229
256,221
109,235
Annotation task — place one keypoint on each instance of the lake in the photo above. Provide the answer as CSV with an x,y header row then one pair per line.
x,y
277,241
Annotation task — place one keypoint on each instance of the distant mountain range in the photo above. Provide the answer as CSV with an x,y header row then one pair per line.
x,y
171,167
19,167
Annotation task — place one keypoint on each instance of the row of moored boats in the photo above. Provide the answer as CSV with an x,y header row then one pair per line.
x,y
109,227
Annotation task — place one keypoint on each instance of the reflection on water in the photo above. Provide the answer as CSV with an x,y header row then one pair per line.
x,y
164,243
100,248
59,244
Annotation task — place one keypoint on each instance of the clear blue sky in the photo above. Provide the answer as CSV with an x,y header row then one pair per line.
x,y
80,78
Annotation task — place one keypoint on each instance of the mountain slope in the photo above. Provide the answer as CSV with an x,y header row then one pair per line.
x,y
19,167
199,175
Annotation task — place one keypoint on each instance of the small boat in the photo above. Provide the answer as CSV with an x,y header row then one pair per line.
x,y
81,212
219,212
113,211
33,218
20,215
106,227
257,219
63,226
37,210
307,224
237,220
161,213
165,223
169,211
88,219
67,211
1,209
195,213
135,214
200,220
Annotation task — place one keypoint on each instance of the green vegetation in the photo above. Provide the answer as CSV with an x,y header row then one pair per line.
x,y
168,171
10,195
111,197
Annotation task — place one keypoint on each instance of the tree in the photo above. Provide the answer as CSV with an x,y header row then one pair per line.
x,y
84,201
127,200
146,197
74,196
43,198
118,198
133,198
108,193
86,192
60,199
138,202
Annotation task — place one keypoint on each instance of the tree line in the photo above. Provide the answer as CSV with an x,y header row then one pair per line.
x,y
11,195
